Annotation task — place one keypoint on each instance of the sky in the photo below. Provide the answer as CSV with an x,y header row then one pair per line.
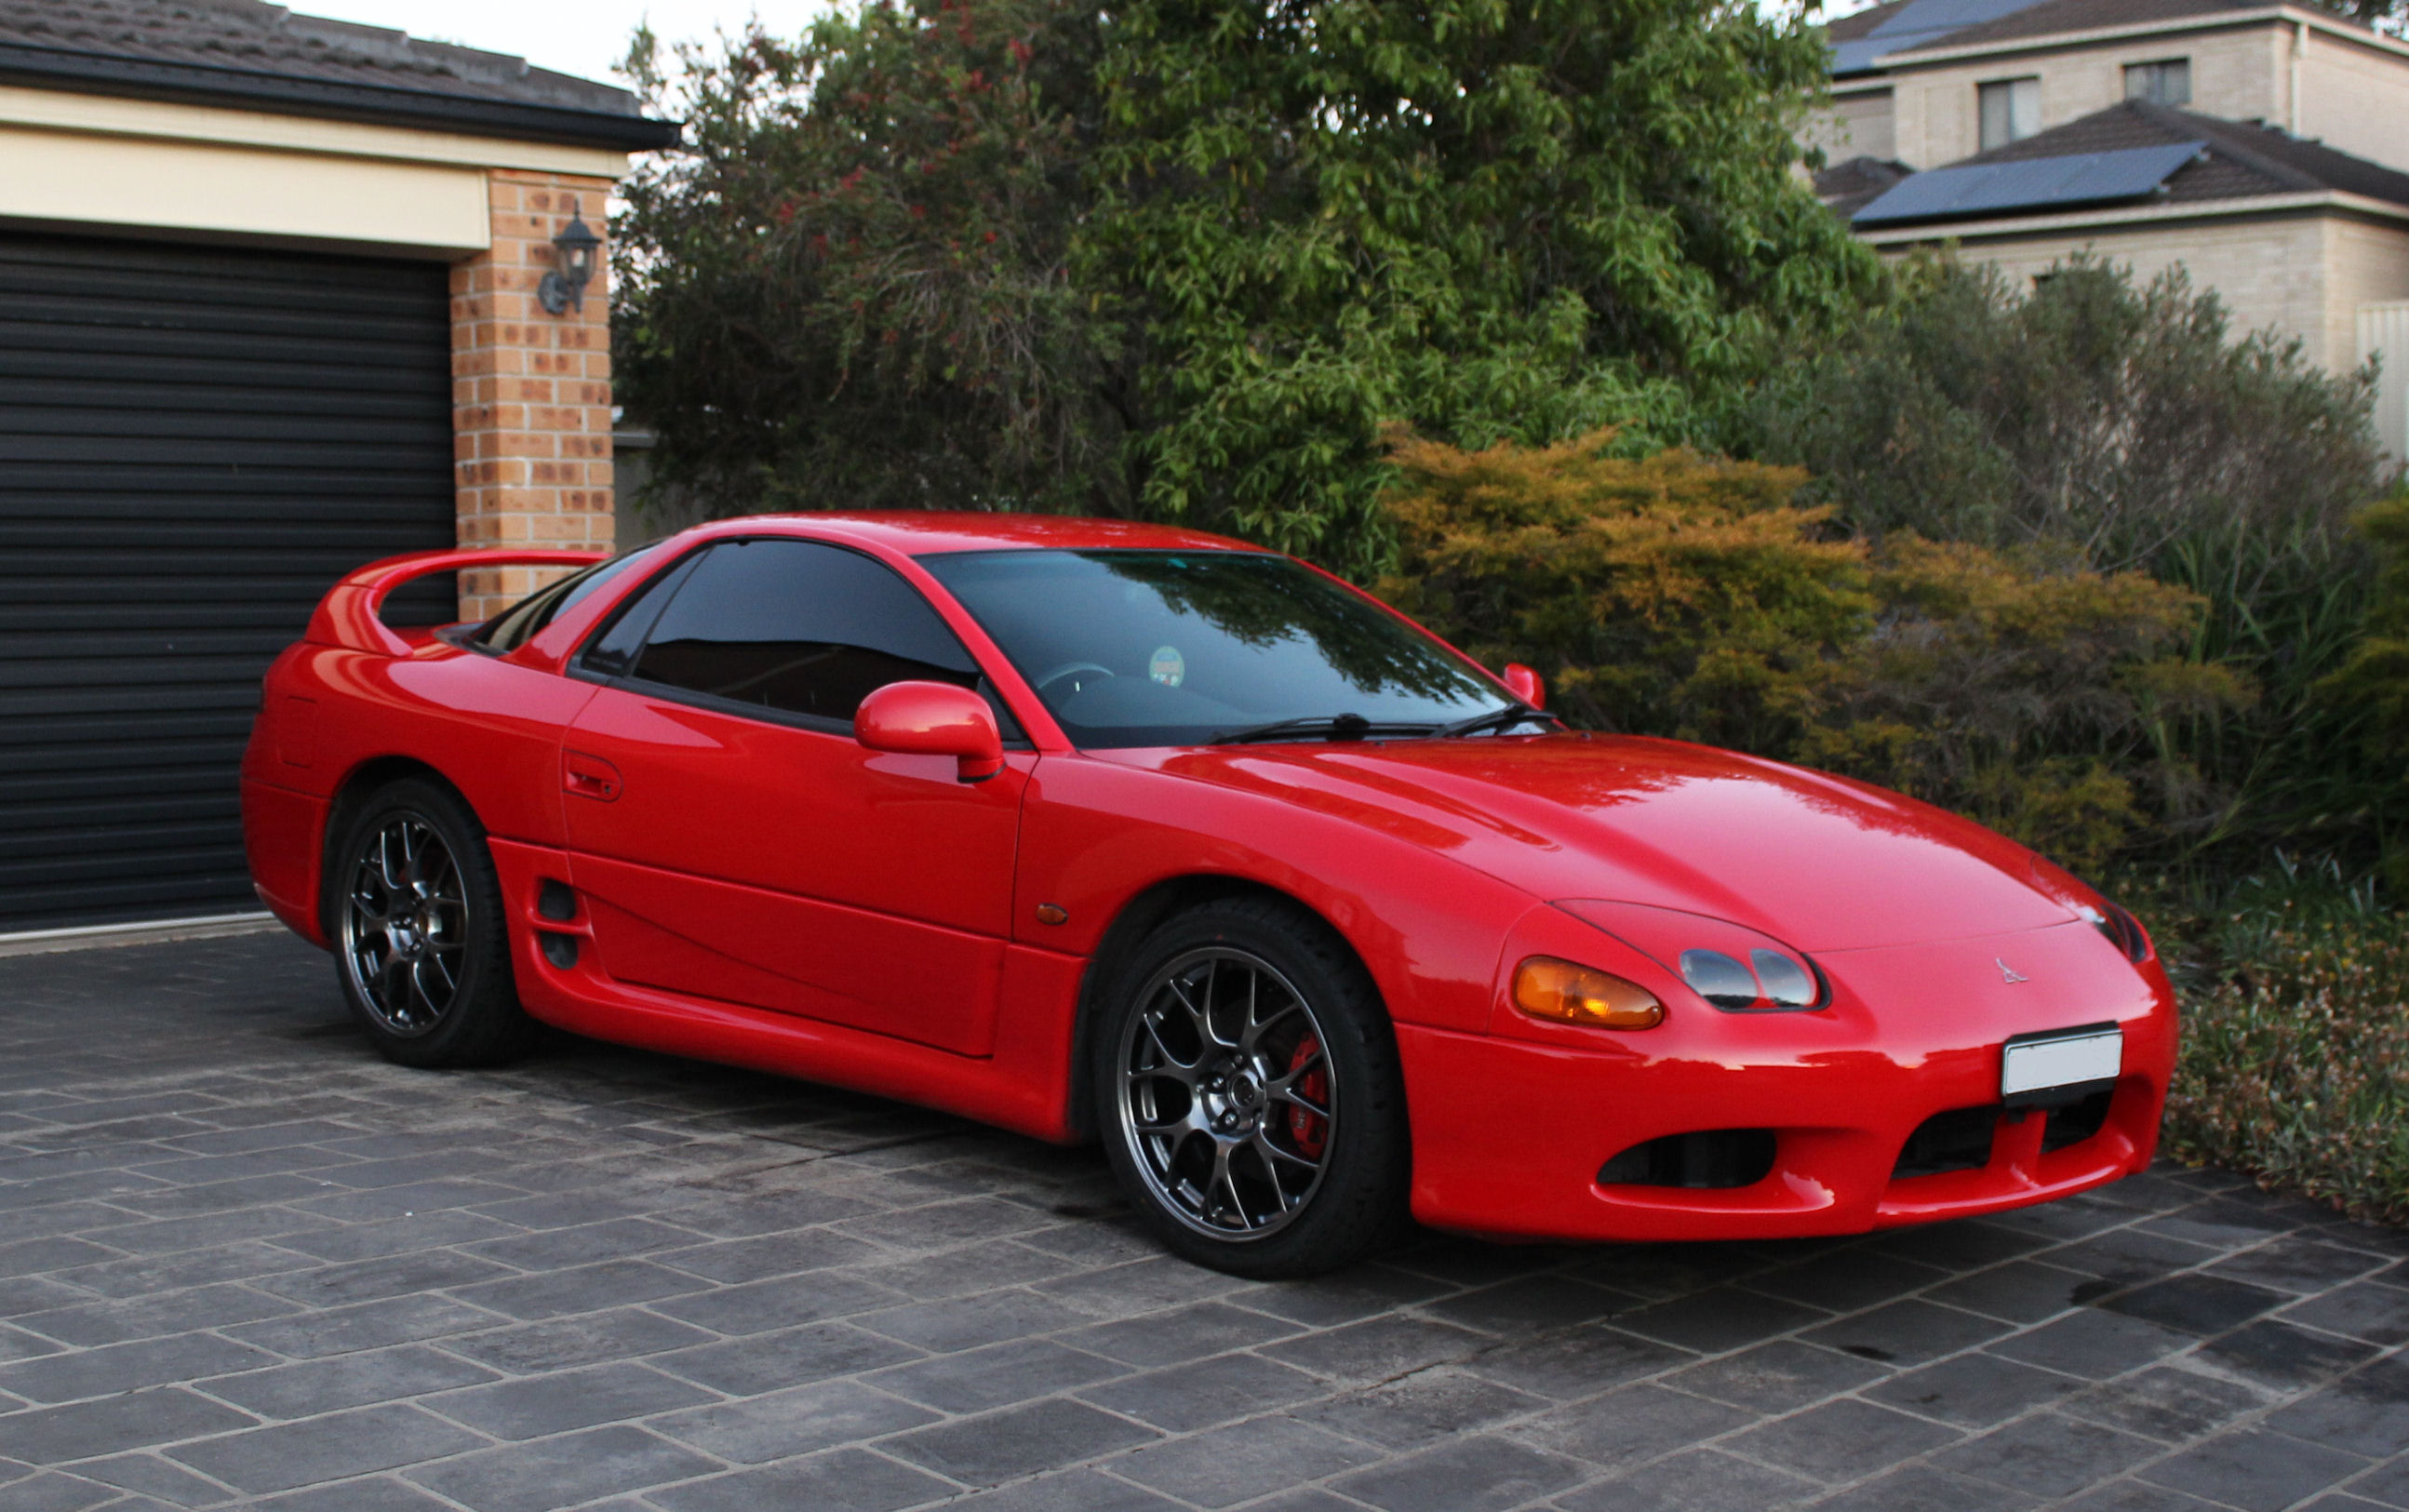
x,y
585,38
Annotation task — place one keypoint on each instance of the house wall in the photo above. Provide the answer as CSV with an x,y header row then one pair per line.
x,y
2276,273
1853,125
2239,74
2354,97
62,177
2351,94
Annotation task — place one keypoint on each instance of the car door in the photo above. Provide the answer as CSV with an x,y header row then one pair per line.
x,y
731,839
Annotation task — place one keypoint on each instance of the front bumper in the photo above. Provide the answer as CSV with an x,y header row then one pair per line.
x,y
1512,1129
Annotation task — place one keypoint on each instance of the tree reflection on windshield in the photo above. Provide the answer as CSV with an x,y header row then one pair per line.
x,y
1261,608
1169,648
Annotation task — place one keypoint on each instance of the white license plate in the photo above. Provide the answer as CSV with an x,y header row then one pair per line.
x,y
2034,1066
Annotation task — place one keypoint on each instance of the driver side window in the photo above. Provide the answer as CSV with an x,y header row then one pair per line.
x,y
795,626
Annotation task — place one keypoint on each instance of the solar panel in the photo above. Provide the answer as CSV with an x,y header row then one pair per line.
x,y
2029,183
1919,24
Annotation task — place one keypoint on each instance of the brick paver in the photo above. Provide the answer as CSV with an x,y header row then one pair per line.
x,y
244,1262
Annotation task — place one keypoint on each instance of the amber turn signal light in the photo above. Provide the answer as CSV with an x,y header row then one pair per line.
x,y
1564,993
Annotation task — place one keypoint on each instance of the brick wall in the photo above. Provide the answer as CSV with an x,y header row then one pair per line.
x,y
531,391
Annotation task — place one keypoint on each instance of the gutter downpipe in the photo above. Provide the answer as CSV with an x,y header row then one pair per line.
x,y
2300,51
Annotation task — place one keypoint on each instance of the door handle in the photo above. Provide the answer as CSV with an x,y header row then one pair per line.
x,y
588,776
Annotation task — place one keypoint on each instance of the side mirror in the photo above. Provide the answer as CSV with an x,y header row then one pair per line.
x,y
933,719
1524,684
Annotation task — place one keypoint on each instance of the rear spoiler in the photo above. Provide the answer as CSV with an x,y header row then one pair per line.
x,y
351,613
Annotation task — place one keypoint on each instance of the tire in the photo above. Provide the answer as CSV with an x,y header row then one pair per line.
x,y
1281,1149
414,909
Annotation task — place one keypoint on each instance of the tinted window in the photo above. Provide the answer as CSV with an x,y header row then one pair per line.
x,y
519,624
796,626
612,651
1174,648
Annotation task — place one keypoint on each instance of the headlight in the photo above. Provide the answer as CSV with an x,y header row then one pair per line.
x,y
1565,993
1769,979
1733,968
2122,929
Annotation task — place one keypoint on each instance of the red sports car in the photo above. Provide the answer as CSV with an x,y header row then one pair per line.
x,y
1105,831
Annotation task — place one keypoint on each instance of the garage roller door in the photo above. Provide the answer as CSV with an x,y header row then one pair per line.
x,y
194,442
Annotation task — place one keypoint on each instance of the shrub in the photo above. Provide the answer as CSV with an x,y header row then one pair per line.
x,y
2295,1062
1686,595
2094,414
2117,425
2371,691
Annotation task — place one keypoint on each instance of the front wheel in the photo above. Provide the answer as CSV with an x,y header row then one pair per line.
x,y
420,940
1248,1080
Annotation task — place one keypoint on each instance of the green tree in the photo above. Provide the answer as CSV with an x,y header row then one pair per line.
x,y
1183,258
851,288
1486,220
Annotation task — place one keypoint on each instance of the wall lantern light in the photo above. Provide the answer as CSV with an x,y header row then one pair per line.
x,y
563,288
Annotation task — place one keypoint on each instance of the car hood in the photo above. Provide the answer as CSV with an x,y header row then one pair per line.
x,y
1821,862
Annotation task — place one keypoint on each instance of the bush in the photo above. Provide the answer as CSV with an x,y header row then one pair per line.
x,y
2295,1059
1692,597
2371,691
2118,427
2117,421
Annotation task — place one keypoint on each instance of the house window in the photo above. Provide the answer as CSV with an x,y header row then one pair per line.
x,y
2011,110
2167,81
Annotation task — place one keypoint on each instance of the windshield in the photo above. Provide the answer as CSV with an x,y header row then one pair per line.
x,y
1136,648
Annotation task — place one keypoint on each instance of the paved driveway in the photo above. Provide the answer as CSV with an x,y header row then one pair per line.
x,y
241,1262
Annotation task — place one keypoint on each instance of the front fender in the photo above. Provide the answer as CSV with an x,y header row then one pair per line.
x,y
1098,833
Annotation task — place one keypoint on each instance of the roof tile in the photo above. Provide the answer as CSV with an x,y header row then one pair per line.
x,y
253,37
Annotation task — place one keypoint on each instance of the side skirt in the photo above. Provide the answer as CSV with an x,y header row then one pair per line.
x,y
1023,1086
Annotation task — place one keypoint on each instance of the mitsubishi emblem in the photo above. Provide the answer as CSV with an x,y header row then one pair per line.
x,y
2007,973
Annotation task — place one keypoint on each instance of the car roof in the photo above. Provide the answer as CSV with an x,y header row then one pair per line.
x,y
929,533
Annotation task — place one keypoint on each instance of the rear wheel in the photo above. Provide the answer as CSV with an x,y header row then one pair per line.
x,y
1249,1083
420,939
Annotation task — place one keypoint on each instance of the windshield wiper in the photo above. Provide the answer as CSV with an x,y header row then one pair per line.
x,y
1334,727
1502,719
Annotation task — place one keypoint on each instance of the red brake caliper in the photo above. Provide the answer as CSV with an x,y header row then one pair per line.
x,y
1310,1130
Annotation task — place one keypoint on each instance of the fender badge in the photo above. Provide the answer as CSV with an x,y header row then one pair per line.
x,y
2009,973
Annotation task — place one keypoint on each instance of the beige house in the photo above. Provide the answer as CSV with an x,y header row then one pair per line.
x,y
278,295
1914,80
2264,147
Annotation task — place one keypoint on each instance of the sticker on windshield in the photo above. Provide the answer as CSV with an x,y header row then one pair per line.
x,y
1167,667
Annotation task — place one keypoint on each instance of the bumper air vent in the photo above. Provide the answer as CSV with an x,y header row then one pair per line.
x,y
1958,1140
2076,1121
1712,1159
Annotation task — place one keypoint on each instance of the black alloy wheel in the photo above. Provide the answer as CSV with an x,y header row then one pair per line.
x,y
420,942
1248,1080
406,925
